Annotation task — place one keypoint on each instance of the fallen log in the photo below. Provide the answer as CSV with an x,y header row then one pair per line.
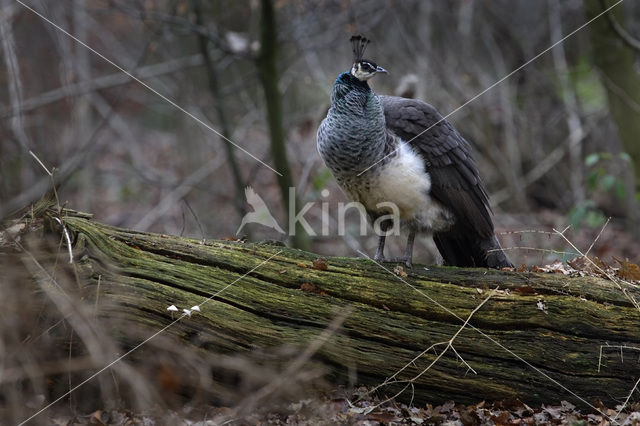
x,y
540,337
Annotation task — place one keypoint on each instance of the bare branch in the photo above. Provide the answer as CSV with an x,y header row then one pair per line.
x,y
448,345
569,98
615,280
13,74
105,82
628,39
178,193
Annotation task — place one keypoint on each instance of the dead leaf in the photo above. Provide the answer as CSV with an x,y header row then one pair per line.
x,y
591,265
96,418
554,412
525,289
383,417
556,267
399,271
320,264
446,407
628,271
361,410
501,418
312,289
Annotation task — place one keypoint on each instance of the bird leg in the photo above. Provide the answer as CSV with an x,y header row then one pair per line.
x,y
408,252
379,256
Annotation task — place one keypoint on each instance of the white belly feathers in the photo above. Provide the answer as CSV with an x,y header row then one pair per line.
x,y
404,182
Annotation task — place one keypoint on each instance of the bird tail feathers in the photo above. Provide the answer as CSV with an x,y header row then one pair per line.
x,y
471,251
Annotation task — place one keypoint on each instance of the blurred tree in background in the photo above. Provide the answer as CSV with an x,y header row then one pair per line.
x,y
555,142
616,60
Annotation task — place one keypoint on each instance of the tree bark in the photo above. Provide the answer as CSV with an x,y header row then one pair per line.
x,y
268,296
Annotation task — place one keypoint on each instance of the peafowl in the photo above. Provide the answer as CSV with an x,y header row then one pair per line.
x,y
387,150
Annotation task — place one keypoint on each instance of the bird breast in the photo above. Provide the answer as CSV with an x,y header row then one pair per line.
x,y
403,181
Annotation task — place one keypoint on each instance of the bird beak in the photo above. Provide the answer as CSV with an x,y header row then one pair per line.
x,y
380,69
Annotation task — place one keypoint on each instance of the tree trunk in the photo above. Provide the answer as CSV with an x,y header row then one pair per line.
x,y
616,62
538,338
268,69
211,70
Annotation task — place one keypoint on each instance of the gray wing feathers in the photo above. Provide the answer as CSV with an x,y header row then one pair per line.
x,y
454,176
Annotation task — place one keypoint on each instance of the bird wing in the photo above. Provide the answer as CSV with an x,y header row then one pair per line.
x,y
455,182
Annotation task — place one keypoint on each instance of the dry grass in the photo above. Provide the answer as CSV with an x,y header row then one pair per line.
x,y
55,337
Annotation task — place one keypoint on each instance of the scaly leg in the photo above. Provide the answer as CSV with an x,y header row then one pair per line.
x,y
408,252
379,257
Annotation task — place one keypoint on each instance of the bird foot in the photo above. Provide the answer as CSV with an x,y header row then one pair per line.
x,y
380,258
403,259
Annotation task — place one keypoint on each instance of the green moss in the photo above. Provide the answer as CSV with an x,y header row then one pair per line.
x,y
261,303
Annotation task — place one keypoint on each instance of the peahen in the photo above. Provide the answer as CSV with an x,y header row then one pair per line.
x,y
387,150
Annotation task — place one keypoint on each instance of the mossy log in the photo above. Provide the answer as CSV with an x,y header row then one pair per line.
x,y
538,338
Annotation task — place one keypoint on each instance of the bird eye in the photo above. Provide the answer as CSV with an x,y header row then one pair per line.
x,y
366,66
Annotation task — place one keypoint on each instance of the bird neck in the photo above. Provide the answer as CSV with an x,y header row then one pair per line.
x,y
354,128
347,83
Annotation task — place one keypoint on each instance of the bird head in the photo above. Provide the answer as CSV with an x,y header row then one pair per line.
x,y
363,69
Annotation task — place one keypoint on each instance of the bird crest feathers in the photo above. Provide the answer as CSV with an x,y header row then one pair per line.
x,y
359,44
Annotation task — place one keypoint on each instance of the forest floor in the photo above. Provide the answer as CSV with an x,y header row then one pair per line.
x,y
331,410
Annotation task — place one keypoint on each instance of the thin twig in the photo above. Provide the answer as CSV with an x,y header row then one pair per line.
x,y
546,164
630,41
106,82
195,216
598,236
449,345
14,85
41,163
95,309
498,81
525,231
179,192
146,86
493,340
626,401
617,347
602,271
532,249
66,236
65,304
293,368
